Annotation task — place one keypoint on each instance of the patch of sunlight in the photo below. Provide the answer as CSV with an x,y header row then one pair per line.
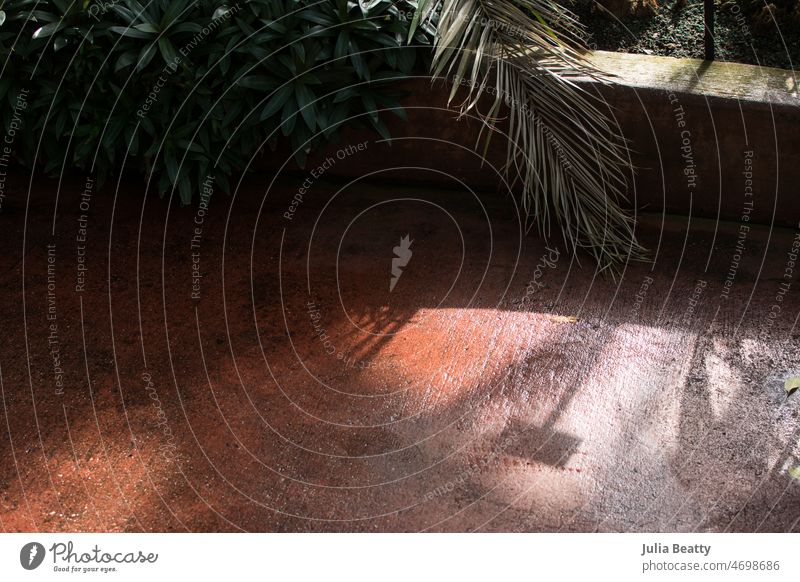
x,y
459,351
723,382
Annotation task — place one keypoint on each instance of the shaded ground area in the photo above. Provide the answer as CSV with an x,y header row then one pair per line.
x,y
499,386
676,30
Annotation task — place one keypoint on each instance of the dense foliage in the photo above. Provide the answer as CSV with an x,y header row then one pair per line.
x,y
181,89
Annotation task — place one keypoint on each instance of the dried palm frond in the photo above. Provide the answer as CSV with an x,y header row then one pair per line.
x,y
567,154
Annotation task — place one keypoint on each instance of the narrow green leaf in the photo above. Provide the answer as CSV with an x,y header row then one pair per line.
x,y
276,102
46,30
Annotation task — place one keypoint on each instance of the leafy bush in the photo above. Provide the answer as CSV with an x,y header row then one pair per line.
x,y
182,89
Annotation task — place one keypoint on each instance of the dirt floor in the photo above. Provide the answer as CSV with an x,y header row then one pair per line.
x,y
499,386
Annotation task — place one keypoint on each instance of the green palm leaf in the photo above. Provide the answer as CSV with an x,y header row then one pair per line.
x,y
566,153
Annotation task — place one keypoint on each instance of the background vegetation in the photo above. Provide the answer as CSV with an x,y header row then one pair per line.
x,y
756,32
179,89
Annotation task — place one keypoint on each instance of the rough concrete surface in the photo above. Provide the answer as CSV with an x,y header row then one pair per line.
x,y
499,386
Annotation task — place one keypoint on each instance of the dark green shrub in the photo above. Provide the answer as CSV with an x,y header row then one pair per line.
x,y
182,89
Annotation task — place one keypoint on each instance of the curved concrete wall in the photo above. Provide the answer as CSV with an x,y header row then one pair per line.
x,y
717,140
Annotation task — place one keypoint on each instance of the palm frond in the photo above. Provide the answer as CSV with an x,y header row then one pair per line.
x,y
567,154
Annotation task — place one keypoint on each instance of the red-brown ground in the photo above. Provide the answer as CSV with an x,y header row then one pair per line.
x,y
468,398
